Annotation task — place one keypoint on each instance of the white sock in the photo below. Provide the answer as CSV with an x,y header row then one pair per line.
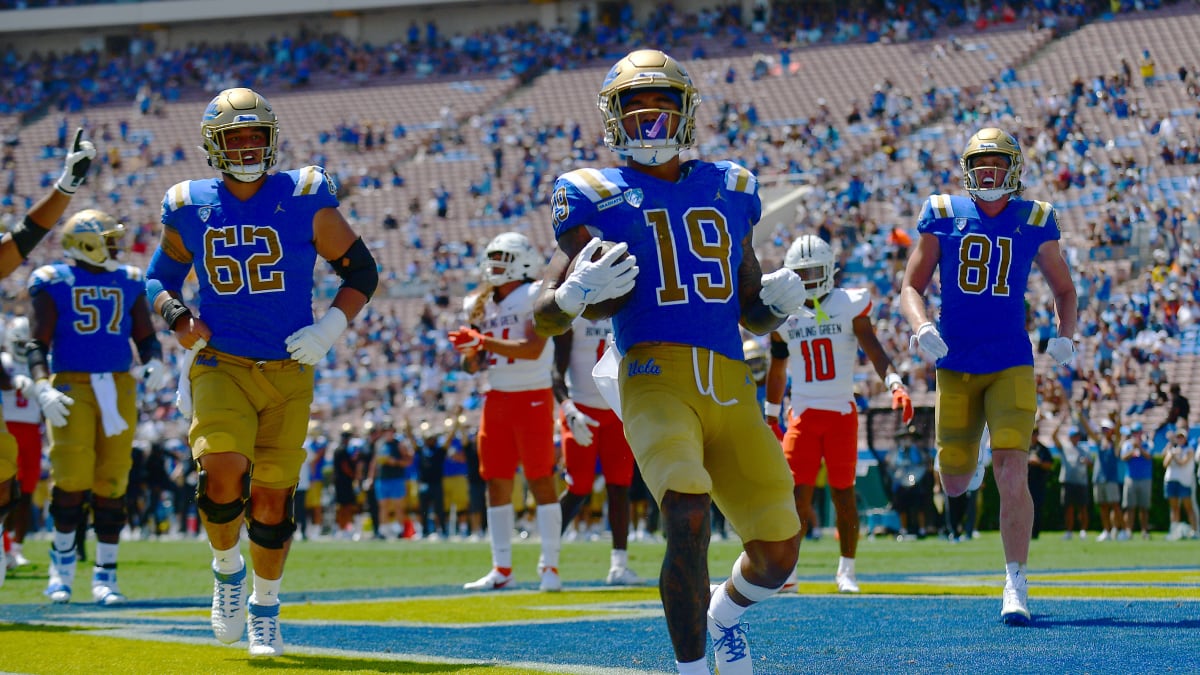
x,y
500,527
64,542
619,558
106,554
227,561
1013,569
266,591
549,524
698,667
723,609
845,565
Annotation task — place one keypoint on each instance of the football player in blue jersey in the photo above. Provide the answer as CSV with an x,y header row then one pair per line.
x,y
84,315
15,246
252,238
687,396
983,248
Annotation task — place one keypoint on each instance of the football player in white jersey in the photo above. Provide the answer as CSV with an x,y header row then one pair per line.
x,y
818,347
591,432
517,424
23,417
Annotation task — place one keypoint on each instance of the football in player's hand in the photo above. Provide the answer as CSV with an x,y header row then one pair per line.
x,y
605,308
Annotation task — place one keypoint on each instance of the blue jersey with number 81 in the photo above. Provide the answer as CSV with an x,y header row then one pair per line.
x,y
984,271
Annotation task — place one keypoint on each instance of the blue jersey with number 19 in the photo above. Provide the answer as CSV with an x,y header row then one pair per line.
x,y
687,237
985,264
253,259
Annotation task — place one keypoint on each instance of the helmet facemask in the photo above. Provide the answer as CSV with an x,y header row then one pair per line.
x,y
509,257
990,183
93,237
16,337
812,259
239,108
659,133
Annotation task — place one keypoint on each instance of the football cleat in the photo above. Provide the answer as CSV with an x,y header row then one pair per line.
x,y
62,576
1015,608
104,587
551,582
623,576
494,580
263,628
846,583
731,651
229,605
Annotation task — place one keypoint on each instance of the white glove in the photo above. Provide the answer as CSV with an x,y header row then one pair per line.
x,y
1062,350
591,282
783,292
23,384
77,163
154,375
310,344
930,341
580,423
55,404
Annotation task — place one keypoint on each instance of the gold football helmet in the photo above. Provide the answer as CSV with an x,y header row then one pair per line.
x,y
235,109
812,258
93,237
649,69
992,141
756,357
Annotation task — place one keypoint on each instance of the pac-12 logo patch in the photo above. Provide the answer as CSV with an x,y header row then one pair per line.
x,y
960,224
205,212
633,197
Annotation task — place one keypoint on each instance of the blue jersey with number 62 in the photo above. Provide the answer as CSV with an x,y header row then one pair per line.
x,y
253,259
984,267
687,237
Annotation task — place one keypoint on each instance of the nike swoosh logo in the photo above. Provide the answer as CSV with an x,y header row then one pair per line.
x,y
536,403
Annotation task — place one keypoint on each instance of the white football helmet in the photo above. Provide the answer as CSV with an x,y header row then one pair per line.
x,y
93,237
16,336
510,257
235,109
649,69
992,141
812,258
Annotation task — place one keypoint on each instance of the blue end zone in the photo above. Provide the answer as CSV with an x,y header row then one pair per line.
x,y
788,634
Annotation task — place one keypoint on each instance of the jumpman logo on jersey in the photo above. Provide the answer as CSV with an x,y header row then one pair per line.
x,y
279,207
718,197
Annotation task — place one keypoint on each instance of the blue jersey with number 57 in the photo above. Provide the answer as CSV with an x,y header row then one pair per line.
x,y
253,259
687,237
984,266
94,315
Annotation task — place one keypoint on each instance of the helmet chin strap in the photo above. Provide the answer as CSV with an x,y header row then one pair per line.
x,y
248,173
991,195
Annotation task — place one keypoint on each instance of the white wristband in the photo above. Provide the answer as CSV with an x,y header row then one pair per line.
x,y
772,409
892,381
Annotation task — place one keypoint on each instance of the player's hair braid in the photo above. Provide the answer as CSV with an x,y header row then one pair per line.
x,y
475,316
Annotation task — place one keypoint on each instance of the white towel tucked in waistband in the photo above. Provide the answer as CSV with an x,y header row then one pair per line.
x,y
105,390
183,395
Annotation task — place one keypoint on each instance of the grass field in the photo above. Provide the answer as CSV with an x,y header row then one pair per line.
x,y
402,600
